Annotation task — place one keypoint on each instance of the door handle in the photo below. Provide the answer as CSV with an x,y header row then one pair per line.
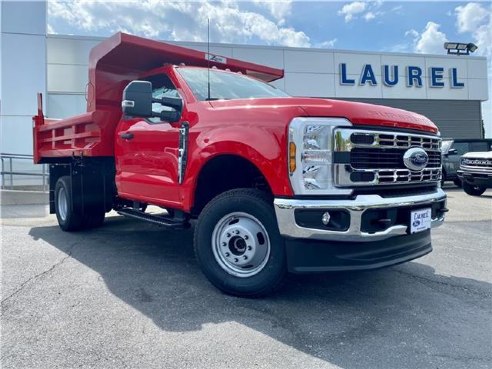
x,y
126,135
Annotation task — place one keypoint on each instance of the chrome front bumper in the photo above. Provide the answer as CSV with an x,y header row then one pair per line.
x,y
285,212
485,172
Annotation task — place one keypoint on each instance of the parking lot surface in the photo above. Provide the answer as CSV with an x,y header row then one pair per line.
x,y
130,295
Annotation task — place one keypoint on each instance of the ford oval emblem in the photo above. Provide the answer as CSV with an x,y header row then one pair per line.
x,y
415,159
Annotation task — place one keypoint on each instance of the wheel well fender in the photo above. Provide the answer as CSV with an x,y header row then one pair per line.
x,y
225,172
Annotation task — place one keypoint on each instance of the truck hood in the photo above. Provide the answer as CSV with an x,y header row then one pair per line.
x,y
360,114
478,155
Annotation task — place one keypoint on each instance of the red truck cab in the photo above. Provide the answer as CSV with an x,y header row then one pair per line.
x,y
275,183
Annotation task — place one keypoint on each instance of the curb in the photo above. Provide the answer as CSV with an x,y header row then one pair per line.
x,y
13,197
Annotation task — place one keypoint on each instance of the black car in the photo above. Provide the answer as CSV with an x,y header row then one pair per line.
x,y
453,149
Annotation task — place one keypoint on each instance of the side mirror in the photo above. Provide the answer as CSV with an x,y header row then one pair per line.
x,y
137,99
170,116
452,152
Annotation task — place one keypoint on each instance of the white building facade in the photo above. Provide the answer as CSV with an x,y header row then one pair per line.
x,y
447,89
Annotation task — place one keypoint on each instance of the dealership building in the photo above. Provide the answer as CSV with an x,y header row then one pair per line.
x,y
447,89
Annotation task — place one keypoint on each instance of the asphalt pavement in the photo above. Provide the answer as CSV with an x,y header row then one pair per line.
x,y
130,295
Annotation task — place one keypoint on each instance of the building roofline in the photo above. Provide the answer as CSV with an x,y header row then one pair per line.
x,y
283,48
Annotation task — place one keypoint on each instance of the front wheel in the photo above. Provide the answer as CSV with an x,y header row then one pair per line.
x,y
473,190
443,178
238,245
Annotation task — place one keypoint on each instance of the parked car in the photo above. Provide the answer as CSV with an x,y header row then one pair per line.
x,y
476,172
453,149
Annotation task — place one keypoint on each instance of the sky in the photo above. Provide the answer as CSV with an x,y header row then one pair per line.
x,y
393,26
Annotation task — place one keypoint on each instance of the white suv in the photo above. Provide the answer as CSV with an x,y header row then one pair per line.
x,y
476,172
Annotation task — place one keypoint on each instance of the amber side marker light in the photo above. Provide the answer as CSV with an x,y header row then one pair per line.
x,y
292,157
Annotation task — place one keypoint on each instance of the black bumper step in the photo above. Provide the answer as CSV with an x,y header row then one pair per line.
x,y
162,220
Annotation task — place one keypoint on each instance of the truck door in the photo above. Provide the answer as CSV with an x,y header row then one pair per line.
x,y
147,153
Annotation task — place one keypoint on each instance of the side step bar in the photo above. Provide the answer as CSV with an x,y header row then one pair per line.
x,y
176,223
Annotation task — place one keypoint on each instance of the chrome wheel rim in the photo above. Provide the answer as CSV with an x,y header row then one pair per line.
x,y
240,244
62,203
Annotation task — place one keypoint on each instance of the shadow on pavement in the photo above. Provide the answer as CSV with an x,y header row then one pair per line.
x,y
453,189
405,314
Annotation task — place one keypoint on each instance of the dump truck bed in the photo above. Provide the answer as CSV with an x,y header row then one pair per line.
x,y
112,65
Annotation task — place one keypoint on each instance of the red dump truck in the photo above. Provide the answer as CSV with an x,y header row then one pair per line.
x,y
276,183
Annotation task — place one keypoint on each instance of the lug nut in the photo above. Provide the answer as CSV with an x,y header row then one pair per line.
x,y
237,232
245,257
227,254
250,248
236,260
224,244
228,235
246,237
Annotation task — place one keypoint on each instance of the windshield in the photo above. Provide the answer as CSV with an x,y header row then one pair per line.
x,y
446,145
226,85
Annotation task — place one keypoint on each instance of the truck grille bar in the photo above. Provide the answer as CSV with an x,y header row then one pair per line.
x,y
362,158
476,163
388,139
366,158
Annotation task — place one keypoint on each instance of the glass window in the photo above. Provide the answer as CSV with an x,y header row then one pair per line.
x,y
478,146
461,147
226,85
161,87
446,145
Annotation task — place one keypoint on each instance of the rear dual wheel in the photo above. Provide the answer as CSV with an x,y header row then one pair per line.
x,y
238,245
68,220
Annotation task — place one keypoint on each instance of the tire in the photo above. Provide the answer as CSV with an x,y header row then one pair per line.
x,y
67,219
238,245
457,182
443,178
473,190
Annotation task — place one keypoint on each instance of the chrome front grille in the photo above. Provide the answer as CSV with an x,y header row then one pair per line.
x,y
366,157
476,163
362,138
378,158
405,176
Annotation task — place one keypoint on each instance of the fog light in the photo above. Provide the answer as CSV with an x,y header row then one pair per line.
x,y
326,218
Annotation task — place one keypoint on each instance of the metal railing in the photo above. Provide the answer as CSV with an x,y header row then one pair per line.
x,y
20,173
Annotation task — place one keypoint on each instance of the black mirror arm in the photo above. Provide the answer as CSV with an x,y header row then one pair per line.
x,y
172,102
169,116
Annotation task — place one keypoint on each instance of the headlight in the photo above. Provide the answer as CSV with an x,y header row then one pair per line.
x,y
310,155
